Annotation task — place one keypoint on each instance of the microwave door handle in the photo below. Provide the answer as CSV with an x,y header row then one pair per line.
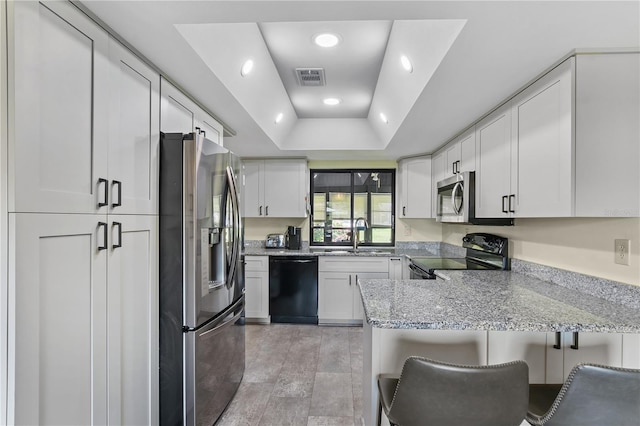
x,y
456,187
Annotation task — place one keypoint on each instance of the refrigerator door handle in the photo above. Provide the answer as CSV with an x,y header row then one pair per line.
x,y
236,227
219,321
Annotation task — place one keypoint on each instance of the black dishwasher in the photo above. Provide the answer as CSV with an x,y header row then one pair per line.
x,y
293,289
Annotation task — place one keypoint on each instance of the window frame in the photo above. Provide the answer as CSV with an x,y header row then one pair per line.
x,y
352,173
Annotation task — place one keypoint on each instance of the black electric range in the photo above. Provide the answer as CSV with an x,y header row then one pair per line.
x,y
483,251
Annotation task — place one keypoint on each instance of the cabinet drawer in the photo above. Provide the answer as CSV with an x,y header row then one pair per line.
x,y
353,264
256,263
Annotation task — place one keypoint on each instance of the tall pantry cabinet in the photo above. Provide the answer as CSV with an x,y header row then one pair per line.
x,y
83,133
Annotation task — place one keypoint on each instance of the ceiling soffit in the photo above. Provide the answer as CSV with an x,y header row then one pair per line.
x,y
364,71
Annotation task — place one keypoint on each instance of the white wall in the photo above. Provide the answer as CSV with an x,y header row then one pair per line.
x,y
582,245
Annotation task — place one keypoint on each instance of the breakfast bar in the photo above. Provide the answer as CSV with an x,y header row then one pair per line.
x,y
488,317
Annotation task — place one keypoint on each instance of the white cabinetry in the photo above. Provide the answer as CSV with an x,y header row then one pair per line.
x,y
339,300
59,88
542,146
551,364
607,135
179,114
414,187
493,162
83,145
257,288
275,188
437,174
396,268
134,133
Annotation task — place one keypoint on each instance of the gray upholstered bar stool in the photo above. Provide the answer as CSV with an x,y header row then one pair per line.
x,y
592,395
429,392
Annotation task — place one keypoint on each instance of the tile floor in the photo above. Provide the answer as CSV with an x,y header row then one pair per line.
x,y
299,375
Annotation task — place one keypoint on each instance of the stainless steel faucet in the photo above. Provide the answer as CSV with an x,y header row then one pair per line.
x,y
356,234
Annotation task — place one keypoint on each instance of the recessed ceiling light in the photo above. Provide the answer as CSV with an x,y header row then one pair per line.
x,y
326,40
279,118
384,118
406,63
332,101
247,67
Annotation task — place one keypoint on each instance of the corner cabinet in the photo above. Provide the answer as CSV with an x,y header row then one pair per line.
x,y
339,300
275,188
414,188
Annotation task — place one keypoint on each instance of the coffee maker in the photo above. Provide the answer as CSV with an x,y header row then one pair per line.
x,y
294,238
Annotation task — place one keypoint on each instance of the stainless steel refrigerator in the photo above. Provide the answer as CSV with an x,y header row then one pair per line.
x,y
202,344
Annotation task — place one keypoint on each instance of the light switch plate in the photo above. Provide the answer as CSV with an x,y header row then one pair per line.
x,y
621,252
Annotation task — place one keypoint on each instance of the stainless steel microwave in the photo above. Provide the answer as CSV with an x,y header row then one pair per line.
x,y
456,201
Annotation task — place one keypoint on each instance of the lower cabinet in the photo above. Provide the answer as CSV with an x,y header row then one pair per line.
x,y
256,277
550,357
339,300
84,350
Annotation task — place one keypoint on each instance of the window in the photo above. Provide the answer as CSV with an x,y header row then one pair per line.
x,y
340,197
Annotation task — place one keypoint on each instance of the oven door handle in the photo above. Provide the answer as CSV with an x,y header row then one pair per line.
x,y
456,208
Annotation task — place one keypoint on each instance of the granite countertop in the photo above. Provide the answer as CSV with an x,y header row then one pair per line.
x,y
347,251
491,300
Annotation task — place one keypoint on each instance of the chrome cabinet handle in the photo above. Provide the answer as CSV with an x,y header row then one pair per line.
x,y
105,201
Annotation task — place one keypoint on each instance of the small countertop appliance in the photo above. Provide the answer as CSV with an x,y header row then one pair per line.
x,y
294,238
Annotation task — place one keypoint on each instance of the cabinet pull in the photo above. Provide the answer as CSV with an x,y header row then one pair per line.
x,y
512,197
119,225
266,211
349,279
198,130
119,185
104,235
204,133
260,211
558,344
504,209
575,341
105,201
404,210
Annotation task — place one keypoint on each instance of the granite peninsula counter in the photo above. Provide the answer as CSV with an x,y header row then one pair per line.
x,y
487,317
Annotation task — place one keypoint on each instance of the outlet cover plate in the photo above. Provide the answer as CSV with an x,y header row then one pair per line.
x,y
621,252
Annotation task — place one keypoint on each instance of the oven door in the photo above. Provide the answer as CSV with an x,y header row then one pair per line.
x,y
455,194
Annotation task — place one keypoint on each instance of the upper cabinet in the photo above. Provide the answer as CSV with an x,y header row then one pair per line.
x,y
414,187
134,133
179,114
557,148
275,188
607,135
60,94
85,133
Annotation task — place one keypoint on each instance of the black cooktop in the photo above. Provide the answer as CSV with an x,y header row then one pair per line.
x,y
428,264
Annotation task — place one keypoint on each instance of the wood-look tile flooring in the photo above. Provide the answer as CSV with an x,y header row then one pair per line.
x,y
299,375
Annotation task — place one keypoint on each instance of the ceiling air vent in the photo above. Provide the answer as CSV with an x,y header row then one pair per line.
x,y
310,76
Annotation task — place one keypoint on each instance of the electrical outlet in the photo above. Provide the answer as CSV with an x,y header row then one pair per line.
x,y
622,251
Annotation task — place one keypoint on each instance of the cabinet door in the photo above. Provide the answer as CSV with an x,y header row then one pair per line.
x,y
285,188
395,268
253,192
416,188
132,295
59,348
257,287
506,346
358,307
452,155
468,151
134,133
437,174
60,94
211,128
335,296
493,163
542,151
176,110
